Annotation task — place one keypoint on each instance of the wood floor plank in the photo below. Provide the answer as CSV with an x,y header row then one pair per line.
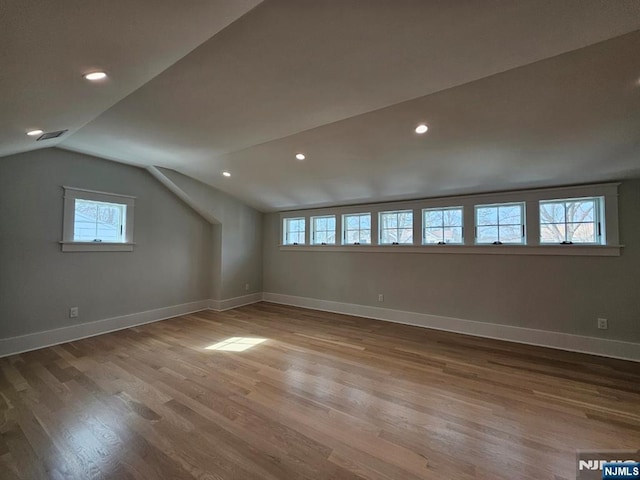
x,y
322,397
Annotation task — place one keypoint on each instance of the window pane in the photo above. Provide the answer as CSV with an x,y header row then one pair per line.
x,y
84,228
388,236
433,218
396,227
324,228
453,235
510,234
500,223
578,222
487,216
433,235
581,211
443,225
511,214
552,213
294,230
487,234
406,235
552,233
109,222
357,228
581,232
98,221
405,220
453,217
389,220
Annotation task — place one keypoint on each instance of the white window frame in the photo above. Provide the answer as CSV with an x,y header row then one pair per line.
x,y
314,231
396,212
444,209
599,219
530,198
523,222
70,245
285,225
345,228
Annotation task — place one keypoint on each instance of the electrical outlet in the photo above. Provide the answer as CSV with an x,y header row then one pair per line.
x,y
380,297
246,287
73,312
603,324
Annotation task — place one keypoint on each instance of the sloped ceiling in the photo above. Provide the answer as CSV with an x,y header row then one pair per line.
x,y
46,46
516,93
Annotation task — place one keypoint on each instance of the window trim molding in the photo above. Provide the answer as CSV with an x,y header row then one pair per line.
x,y
68,215
284,231
96,247
488,249
523,222
398,228
313,231
600,219
423,227
530,198
344,228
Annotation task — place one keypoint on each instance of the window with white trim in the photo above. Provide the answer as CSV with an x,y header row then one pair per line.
x,y
500,223
294,231
323,230
572,220
396,227
442,226
356,228
97,221
579,220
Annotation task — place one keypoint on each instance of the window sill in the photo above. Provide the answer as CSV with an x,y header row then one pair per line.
x,y
96,247
559,250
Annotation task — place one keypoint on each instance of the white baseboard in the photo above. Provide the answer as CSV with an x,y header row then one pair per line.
x,y
544,338
47,338
529,336
229,303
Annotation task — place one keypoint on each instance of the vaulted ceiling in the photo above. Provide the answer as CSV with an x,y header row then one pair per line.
x,y
517,93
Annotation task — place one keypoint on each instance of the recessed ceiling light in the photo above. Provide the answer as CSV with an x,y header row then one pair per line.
x,y
300,156
422,128
226,174
93,76
33,133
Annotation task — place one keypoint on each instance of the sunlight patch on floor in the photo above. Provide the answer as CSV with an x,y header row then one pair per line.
x,y
236,344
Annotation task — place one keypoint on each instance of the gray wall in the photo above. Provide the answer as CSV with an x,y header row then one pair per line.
x,y
238,238
170,264
180,258
564,294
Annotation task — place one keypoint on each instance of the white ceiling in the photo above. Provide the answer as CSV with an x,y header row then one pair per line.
x,y
46,46
517,93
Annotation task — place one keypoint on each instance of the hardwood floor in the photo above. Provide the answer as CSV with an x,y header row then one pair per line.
x,y
325,396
